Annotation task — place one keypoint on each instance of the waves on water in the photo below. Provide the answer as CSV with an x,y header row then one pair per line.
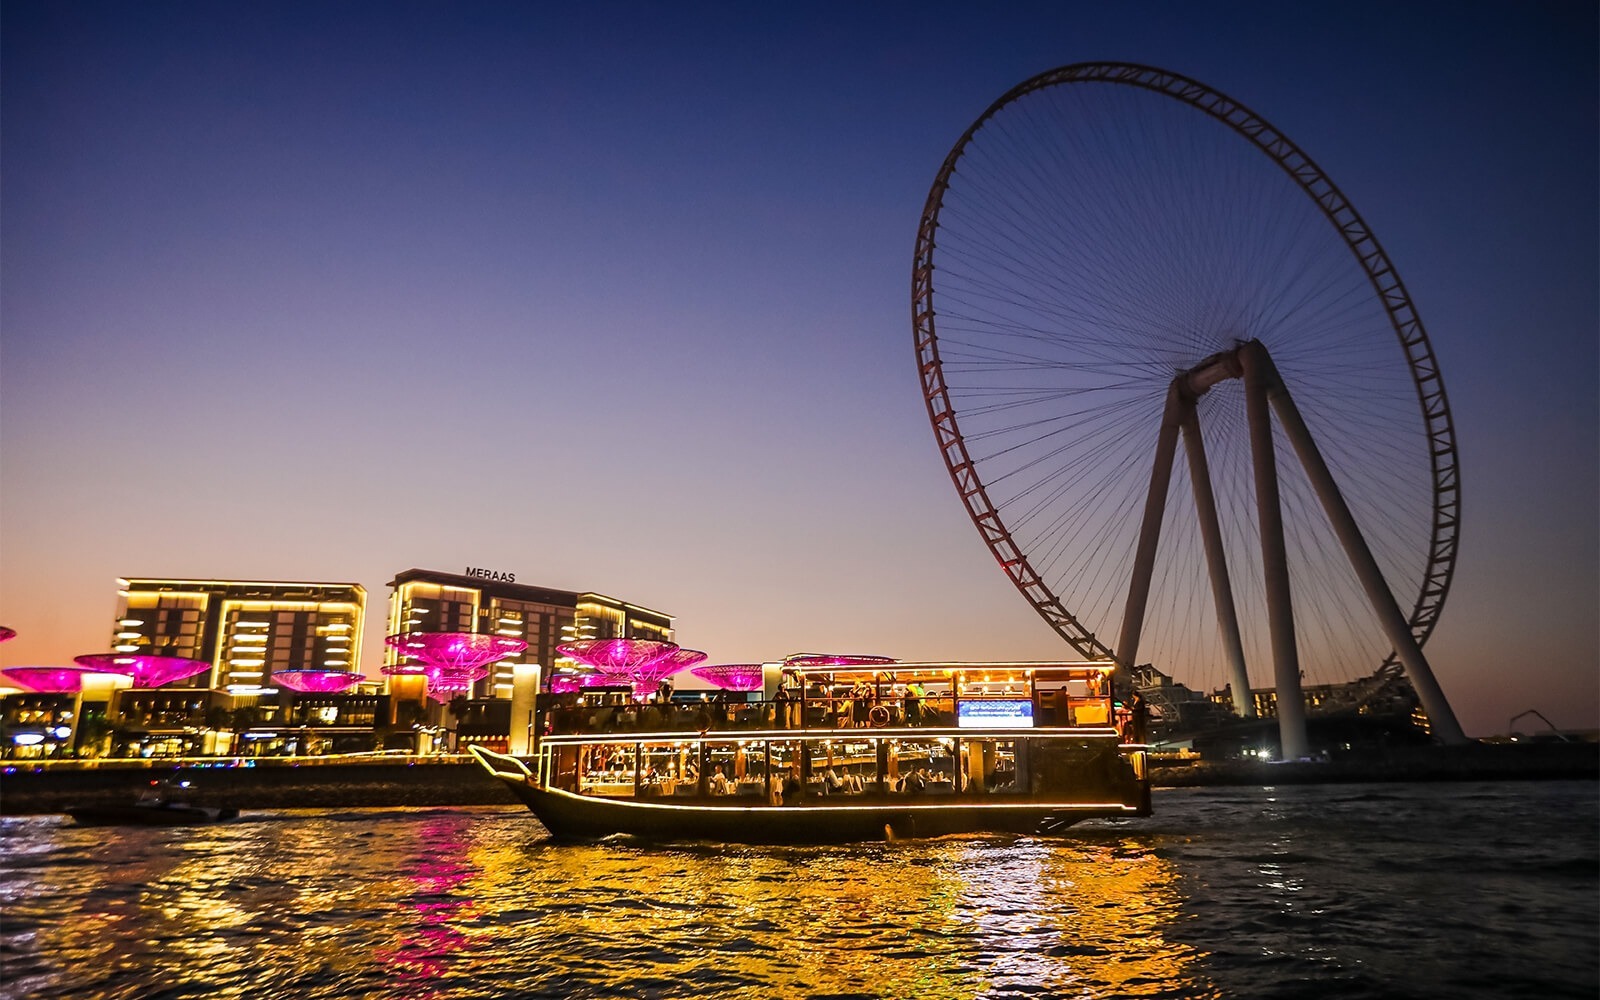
x,y
1465,890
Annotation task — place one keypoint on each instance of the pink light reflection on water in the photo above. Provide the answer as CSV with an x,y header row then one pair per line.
x,y
429,937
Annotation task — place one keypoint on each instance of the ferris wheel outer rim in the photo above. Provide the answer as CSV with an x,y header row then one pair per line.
x,y
1415,346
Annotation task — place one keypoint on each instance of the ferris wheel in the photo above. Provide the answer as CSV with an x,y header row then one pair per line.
x,y
1113,258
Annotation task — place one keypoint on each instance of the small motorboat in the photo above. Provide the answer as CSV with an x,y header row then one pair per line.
x,y
157,806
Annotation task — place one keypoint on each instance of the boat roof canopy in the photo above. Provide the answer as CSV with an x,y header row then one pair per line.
x,y
942,670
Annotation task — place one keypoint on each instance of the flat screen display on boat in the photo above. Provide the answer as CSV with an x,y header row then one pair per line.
x,y
994,714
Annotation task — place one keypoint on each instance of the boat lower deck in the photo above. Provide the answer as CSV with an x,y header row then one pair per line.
x,y
831,786
814,819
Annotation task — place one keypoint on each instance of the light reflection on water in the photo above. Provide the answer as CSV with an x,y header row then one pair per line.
x,y
1223,893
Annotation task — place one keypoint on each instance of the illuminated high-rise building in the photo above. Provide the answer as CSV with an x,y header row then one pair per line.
x,y
246,629
493,603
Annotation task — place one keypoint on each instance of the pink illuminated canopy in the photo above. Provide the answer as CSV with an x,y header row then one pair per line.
x,y
731,676
7,633
647,677
445,682
451,650
49,680
568,683
681,659
643,662
316,681
616,656
146,671
451,661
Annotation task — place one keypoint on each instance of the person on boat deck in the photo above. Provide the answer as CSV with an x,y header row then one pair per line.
x,y
821,701
719,782
650,718
913,703
791,784
914,782
780,702
831,782
861,703
1139,718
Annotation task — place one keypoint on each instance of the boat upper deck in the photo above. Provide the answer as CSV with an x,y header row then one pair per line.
x,y
822,698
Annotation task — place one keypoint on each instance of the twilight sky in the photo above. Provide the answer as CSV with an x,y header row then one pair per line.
x,y
616,297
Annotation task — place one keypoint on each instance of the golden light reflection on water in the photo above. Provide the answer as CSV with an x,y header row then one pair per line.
x,y
1224,898
461,903
941,919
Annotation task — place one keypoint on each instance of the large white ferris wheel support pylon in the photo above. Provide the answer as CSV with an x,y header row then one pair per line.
x,y
1180,414
1265,394
1291,703
1395,628
1205,503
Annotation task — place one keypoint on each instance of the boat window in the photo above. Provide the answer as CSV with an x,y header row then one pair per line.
x,y
990,765
735,768
667,767
922,766
1079,700
788,765
606,769
843,767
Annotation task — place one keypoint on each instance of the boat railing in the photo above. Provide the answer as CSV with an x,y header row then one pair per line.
x,y
499,764
830,714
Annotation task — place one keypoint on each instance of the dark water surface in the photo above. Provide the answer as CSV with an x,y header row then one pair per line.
x,y
1448,890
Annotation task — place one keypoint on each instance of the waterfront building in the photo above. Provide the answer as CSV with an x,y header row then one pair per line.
x,y
251,632
493,603
246,630
37,725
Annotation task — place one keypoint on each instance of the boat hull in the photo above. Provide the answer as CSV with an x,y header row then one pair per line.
x,y
816,820
149,815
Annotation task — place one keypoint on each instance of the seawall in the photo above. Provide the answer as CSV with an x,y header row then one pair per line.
x,y
428,782
1474,762
266,785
